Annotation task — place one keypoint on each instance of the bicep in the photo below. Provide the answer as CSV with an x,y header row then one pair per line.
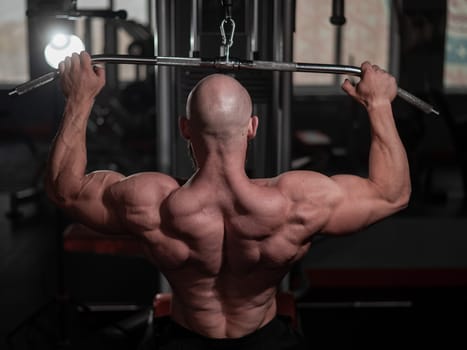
x,y
333,205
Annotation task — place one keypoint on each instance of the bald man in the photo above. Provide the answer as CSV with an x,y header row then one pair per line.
x,y
225,241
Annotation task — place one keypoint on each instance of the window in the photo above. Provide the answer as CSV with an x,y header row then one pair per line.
x,y
367,32
365,36
455,65
137,10
13,42
314,39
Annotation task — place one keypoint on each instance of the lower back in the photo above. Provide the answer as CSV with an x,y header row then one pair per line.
x,y
215,317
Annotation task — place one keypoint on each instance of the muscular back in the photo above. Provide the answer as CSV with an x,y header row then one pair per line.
x,y
223,241
224,246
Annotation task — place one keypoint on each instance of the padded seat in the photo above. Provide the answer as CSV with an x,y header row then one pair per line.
x,y
79,238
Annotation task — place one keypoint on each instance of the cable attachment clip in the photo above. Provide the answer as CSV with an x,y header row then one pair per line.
x,y
227,42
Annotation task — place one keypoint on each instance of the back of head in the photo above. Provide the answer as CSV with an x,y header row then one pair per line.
x,y
219,106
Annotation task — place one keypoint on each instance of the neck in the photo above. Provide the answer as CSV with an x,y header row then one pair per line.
x,y
221,159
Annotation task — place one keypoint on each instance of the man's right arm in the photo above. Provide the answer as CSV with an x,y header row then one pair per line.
x,y
348,203
105,201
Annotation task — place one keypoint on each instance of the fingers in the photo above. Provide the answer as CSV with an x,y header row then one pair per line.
x,y
375,85
75,62
61,67
348,87
86,63
79,79
81,63
100,72
365,66
85,60
67,63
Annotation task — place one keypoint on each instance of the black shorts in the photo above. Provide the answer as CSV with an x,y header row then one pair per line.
x,y
275,335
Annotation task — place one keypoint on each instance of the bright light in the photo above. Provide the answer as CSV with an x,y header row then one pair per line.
x,y
61,46
60,41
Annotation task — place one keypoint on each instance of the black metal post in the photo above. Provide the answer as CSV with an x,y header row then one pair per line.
x,y
164,110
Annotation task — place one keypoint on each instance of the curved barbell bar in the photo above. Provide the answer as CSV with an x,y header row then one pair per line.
x,y
188,62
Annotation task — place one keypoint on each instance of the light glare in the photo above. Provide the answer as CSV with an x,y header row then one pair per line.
x,y
61,46
60,41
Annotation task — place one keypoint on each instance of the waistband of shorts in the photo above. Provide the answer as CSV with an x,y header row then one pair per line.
x,y
270,329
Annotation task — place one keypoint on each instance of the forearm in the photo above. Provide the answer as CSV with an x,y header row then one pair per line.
x,y
67,158
388,164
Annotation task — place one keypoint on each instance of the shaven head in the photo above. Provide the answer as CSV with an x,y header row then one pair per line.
x,y
219,106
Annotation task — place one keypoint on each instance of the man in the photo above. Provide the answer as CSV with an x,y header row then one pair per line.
x,y
224,241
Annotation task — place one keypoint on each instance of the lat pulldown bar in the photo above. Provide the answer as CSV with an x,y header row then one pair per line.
x,y
187,62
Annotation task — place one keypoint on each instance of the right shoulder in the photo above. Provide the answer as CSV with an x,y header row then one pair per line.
x,y
139,197
145,188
